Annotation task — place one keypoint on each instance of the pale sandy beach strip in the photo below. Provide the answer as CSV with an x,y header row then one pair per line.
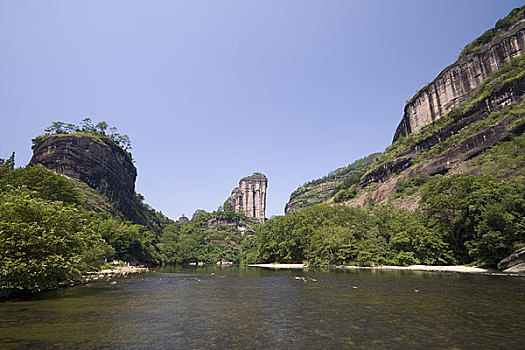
x,y
451,268
280,266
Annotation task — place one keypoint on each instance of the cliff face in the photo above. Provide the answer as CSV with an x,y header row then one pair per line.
x,y
453,85
475,112
250,197
467,146
96,161
459,147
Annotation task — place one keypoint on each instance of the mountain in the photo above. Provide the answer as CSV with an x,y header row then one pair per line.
x,y
468,120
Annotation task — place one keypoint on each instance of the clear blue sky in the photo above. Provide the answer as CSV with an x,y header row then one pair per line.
x,y
211,91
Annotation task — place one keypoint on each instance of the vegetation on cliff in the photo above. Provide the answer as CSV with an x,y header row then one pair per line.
x,y
101,132
339,183
340,186
501,25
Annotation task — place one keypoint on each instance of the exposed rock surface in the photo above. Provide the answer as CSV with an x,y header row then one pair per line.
x,y
183,220
453,85
508,94
250,197
98,162
514,263
486,115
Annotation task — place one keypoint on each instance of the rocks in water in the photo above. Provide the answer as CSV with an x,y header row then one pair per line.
x,y
66,283
224,263
514,263
250,197
453,85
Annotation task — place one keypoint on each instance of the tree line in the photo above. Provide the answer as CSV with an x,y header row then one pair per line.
x,y
86,126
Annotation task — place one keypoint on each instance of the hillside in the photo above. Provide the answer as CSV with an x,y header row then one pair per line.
x,y
320,190
480,133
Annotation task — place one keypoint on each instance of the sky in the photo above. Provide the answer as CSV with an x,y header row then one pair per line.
x,y
212,91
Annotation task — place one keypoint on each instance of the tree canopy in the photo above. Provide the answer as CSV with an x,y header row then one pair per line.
x,y
86,126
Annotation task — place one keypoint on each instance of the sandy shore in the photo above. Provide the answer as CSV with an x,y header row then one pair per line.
x,y
427,268
120,270
280,266
450,268
117,271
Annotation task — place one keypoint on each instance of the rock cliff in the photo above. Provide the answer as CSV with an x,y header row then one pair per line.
x,y
453,85
470,120
97,161
470,146
250,197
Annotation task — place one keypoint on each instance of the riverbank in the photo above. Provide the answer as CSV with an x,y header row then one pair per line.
x,y
425,268
429,268
105,274
280,266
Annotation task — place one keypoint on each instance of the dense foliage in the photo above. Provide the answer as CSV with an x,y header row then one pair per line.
x,y
53,228
465,219
85,128
208,237
43,242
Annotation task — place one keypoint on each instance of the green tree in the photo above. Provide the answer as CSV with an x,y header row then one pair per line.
x,y
45,183
481,217
43,242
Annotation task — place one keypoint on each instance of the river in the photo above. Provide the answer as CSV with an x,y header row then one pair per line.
x,y
250,308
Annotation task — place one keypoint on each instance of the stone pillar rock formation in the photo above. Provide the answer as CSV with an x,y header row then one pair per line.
x,y
250,197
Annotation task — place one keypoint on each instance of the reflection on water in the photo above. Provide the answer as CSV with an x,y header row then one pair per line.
x,y
252,308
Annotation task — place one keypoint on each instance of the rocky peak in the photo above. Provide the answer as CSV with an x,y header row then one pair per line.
x,y
95,160
454,84
250,197
183,220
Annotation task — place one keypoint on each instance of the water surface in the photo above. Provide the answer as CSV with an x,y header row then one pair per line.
x,y
250,308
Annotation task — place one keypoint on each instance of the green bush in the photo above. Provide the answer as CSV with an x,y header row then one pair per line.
x,y
483,218
43,242
43,182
